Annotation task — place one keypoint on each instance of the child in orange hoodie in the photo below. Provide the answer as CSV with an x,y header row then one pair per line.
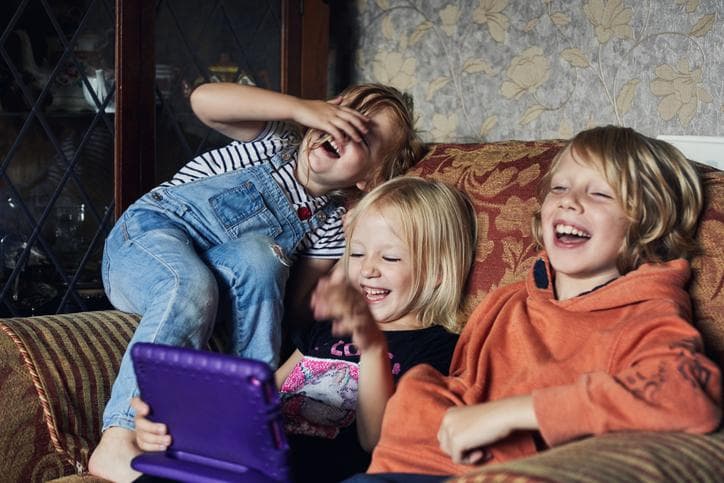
x,y
597,339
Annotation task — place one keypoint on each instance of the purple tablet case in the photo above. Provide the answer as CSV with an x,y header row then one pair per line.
x,y
223,414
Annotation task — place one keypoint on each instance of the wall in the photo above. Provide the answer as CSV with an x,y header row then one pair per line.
x,y
527,69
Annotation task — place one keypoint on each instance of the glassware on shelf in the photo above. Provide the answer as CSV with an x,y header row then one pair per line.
x,y
29,289
165,78
223,70
70,239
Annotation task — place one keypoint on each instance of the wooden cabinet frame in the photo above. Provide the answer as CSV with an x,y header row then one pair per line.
x,y
305,43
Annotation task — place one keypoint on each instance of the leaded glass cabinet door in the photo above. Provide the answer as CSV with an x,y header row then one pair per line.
x,y
243,41
75,151
231,41
168,47
56,153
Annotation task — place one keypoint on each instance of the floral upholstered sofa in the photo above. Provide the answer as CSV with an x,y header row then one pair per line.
x,y
56,371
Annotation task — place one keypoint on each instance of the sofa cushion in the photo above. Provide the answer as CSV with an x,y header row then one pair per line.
x,y
638,456
502,178
56,373
707,287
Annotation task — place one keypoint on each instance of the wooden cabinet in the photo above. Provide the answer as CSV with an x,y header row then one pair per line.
x,y
304,39
70,162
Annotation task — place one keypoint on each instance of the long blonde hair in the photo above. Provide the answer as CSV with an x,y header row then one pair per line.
x,y
440,229
657,187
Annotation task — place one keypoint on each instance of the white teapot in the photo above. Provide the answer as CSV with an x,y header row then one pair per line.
x,y
99,84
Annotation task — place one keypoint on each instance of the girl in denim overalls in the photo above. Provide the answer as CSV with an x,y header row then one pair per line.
x,y
224,232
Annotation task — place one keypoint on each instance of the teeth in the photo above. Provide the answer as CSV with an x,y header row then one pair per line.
x,y
334,145
375,292
569,230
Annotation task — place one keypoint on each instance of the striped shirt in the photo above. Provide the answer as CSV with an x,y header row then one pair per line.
x,y
327,241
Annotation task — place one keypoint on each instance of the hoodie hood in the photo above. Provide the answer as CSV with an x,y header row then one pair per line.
x,y
651,281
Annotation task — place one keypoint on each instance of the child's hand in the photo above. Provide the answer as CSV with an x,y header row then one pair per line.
x,y
465,430
150,436
333,118
334,298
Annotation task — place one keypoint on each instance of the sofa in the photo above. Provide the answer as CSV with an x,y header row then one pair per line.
x,y
56,371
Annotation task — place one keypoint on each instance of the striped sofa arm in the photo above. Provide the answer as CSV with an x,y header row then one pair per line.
x,y
643,457
55,377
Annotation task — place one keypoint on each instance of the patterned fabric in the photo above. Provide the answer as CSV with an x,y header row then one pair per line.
x,y
320,397
640,457
274,138
56,371
55,378
520,69
707,288
502,178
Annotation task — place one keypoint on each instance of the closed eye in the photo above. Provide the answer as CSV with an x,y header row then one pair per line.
x,y
355,255
391,259
603,195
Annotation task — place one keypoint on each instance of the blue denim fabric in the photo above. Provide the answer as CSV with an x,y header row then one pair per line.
x,y
181,255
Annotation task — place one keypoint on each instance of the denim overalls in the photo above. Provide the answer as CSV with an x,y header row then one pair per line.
x,y
178,250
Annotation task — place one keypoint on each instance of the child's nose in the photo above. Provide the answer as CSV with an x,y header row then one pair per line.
x,y
570,201
369,269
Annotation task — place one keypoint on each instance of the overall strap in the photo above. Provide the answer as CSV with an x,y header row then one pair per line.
x,y
285,156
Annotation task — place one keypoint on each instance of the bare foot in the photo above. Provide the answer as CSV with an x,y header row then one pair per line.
x,y
112,457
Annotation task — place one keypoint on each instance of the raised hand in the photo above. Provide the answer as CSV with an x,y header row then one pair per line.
x,y
150,436
334,298
333,118
240,111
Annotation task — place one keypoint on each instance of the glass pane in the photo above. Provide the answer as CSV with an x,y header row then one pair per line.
x,y
196,42
56,153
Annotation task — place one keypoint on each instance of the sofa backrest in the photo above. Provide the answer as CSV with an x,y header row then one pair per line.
x,y
502,178
56,371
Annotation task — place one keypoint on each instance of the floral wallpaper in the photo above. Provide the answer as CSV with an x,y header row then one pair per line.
x,y
486,70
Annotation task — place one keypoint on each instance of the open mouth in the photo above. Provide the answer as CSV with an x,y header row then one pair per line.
x,y
331,148
374,294
571,234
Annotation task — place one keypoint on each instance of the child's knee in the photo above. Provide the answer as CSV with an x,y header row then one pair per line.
x,y
199,289
269,257
257,259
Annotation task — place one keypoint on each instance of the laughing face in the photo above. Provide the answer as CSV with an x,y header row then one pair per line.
x,y
380,267
583,227
325,165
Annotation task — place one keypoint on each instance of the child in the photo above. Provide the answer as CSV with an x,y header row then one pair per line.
x,y
404,287
597,339
223,232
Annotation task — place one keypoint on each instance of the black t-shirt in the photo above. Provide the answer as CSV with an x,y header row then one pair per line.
x,y
320,395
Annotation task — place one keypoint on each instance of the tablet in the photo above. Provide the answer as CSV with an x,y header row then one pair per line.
x,y
223,413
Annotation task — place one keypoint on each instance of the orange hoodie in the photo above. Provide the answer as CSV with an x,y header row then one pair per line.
x,y
622,357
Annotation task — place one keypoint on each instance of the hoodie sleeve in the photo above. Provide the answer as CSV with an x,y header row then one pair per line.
x,y
658,380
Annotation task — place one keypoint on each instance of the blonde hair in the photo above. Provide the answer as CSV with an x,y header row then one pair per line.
x,y
657,187
403,149
438,224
